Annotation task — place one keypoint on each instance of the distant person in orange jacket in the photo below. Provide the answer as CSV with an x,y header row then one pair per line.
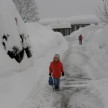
x,y
56,70
80,38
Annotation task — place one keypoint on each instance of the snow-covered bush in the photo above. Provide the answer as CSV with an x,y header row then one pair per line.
x,y
13,33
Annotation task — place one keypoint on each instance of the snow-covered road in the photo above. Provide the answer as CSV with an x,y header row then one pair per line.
x,y
77,90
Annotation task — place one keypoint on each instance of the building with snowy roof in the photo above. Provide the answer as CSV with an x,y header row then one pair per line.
x,y
64,28
68,25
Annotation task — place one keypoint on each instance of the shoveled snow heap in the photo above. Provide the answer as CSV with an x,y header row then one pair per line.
x,y
95,44
18,80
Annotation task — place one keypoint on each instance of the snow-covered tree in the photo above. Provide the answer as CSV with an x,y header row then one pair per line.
x,y
102,11
27,9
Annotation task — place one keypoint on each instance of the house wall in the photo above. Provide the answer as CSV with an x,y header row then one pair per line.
x,y
64,31
75,27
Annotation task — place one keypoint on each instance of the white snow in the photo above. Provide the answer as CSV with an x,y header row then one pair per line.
x,y
95,46
18,80
8,26
25,85
85,19
60,25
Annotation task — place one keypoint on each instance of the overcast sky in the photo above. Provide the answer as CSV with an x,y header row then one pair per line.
x,y
66,8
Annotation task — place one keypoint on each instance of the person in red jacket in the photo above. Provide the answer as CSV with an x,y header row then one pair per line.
x,y
80,38
56,70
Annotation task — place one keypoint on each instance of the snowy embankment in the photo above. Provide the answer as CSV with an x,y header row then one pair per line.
x,y
95,46
18,79
100,53
16,85
23,83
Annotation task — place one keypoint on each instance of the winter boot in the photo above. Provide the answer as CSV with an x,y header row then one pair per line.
x,y
57,88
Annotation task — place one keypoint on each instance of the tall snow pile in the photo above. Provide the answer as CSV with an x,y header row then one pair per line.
x,y
95,44
43,38
20,45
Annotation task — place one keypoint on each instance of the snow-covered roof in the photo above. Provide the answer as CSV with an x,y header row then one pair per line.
x,y
60,25
85,19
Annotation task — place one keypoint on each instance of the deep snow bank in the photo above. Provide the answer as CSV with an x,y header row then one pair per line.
x,y
18,80
98,50
42,38
95,45
17,86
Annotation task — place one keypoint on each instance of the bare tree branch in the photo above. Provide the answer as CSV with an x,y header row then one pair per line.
x,y
102,12
27,9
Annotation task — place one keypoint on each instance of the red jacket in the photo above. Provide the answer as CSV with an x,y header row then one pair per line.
x,y
56,68
80,37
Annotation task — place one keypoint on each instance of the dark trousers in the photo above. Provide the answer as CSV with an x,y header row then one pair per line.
x,y
56,83
80,42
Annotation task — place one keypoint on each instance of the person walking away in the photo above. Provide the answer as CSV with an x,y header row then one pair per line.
x,y
80,38
16,20
56,70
